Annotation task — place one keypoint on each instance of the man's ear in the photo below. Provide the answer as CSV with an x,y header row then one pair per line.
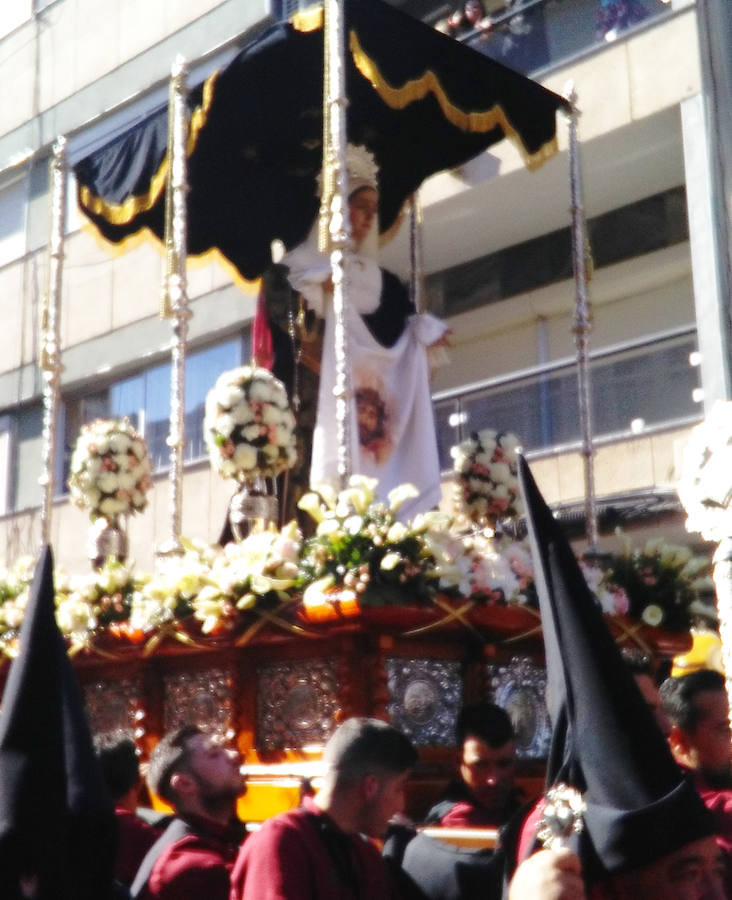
x,y
370,787
182,783
679,743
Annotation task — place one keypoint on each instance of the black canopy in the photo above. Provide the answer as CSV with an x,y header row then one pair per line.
x,y
420,101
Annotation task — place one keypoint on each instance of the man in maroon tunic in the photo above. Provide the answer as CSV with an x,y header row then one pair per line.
x,y
117,759
484,794
201,779
322,850
701,742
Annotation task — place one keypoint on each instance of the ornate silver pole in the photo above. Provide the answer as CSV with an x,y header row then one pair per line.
x,y
175,292
582,318
50,350
335,207
416,253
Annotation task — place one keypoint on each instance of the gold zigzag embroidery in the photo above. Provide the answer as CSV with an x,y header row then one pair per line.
x,y
124,213
475,121
308,19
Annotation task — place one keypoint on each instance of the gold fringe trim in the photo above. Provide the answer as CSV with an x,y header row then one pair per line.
x,y
123,213
473,121
197,261
308,19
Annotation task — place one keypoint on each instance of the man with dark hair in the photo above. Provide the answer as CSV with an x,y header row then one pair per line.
x,y
700,737
483,795
701,742
117,758
201,779
322,851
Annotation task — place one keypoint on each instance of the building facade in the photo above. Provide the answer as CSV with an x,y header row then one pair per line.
x,y
497,256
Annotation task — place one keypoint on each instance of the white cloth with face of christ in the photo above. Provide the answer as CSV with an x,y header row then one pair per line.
x,y
392,431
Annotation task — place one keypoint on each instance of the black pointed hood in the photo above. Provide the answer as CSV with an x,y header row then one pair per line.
x,y
606,743
57,826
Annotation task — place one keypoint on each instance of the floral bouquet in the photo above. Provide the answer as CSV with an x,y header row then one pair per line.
x,y
212,586
88,604
487,486
362,551
110,469
249,426
660,584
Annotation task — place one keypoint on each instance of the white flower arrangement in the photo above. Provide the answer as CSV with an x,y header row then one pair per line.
x,y
485,466
705,486
249,427
110,469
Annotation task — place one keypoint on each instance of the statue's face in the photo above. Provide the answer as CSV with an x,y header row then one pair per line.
x,y
362,207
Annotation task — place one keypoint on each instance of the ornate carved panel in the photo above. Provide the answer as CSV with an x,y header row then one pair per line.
x,y
520,688
203,697
296,703
426,695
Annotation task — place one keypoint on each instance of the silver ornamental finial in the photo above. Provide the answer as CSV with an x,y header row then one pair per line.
x,y
561,817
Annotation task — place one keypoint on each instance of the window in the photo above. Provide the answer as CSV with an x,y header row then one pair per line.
x,y
642,227
5,445
13,201
28,458
144,398
653,382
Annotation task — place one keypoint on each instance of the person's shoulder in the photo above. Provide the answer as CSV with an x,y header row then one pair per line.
x,y
285,825
188,867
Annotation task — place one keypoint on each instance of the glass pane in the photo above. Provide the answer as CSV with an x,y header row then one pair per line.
x,y
12,220
127,398
202,370
157,414
28,457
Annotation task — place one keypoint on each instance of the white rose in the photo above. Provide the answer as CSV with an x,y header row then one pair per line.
x,y
652,614
108,482
119,443
250,432
242,414
93,466
227,468
110,506
271,415
127,481
229,395
500,472
224,425
261,392
245,457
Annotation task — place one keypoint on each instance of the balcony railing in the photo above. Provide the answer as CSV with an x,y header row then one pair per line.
x,y
529,35
637,387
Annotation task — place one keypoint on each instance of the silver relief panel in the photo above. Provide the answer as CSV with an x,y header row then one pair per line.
x,y
203,698
520,688
112,705
296,703
425,697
